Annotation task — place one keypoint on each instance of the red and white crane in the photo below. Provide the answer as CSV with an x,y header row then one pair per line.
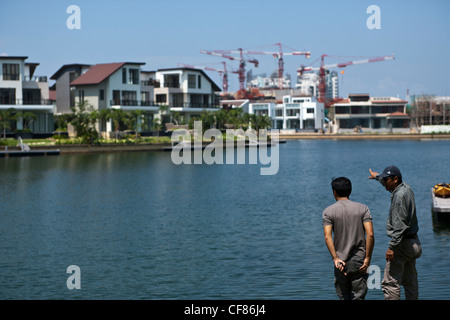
x,y
223,72
322,72
241,72
279,55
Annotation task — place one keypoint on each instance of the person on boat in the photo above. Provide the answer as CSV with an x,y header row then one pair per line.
x,y
353,242
404,245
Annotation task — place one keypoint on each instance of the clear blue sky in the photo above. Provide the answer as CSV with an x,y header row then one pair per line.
x,y
163,33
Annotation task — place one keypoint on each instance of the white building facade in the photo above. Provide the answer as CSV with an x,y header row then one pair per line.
x,y
293,114
22,92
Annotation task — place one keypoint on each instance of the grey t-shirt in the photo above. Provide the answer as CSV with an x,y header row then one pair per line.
x,y
347,218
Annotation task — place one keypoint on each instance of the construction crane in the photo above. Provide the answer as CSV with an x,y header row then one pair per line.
x,y
322,73
241,71
223,73
279,56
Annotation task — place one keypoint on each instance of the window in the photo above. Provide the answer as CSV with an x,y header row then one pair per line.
x,y
191,81
145,96
124,75
80,95
10,71
199,82
310,110
133,75
161,98
279,112
102,94
7,96
31,96
129,98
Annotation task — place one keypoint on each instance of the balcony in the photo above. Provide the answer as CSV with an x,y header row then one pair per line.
x,y
35,78
26,102
171,85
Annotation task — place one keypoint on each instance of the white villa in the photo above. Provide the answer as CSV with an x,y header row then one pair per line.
x,y
22,91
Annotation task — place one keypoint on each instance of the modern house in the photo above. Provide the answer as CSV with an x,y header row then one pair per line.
x,y
116,86
65,95
25,93
187,91
294,113
370,113
125,86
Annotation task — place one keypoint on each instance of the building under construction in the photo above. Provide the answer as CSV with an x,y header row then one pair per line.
x,y
430,110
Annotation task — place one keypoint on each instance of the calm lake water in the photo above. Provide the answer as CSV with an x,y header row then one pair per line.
x,y
140,227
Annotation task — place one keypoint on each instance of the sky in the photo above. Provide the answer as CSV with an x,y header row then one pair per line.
x,y
166,33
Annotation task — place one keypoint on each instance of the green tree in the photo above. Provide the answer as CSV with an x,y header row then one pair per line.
x,y
208,120
28,118
84,118
6,116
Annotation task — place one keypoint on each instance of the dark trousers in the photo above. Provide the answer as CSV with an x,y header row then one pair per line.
x,y
352,286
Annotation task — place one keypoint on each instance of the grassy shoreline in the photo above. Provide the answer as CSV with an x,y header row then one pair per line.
x,y
161,143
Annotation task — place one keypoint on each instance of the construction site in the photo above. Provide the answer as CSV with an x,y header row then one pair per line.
x,y
318,81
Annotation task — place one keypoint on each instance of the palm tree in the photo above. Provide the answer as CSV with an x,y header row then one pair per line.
x,y
6,116
117,116
28,118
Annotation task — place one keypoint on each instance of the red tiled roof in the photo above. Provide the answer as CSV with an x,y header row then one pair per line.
x,y
97,74
389,101
398,114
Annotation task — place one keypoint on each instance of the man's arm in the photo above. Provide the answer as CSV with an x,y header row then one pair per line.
x,y
370,242
328,232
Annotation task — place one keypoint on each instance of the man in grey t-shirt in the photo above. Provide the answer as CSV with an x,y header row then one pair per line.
x,y
351,248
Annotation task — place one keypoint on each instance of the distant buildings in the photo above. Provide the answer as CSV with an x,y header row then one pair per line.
x,y
291,114
187,92
430,110
373,113
26,94
308,83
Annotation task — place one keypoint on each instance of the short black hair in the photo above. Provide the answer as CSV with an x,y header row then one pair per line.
x,y
342,186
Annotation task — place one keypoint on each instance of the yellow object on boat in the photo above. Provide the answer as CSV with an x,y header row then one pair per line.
x,y
442,190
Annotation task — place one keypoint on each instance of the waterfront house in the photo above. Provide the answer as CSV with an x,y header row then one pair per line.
x,y
293,113
370,114
65,95
187,91
25,93
116,86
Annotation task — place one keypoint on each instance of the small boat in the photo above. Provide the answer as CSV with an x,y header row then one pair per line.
x,y
440,194
442,190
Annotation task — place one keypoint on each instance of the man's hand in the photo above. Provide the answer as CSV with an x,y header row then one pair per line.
x,y
339,264
365,266
389,255
373,174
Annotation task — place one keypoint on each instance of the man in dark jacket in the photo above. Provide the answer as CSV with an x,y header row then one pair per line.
x,y
402,227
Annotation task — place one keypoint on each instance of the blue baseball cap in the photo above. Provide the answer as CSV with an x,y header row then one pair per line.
x,y
389,172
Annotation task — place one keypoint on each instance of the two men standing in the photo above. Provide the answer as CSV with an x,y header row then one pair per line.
x,y
347,219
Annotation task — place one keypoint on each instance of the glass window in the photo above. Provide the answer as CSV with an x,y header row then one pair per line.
x,y
191,81
133,76
11,71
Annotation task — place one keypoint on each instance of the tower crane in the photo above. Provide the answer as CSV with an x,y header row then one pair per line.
x,y
223,73
241,71
322,73
279,56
